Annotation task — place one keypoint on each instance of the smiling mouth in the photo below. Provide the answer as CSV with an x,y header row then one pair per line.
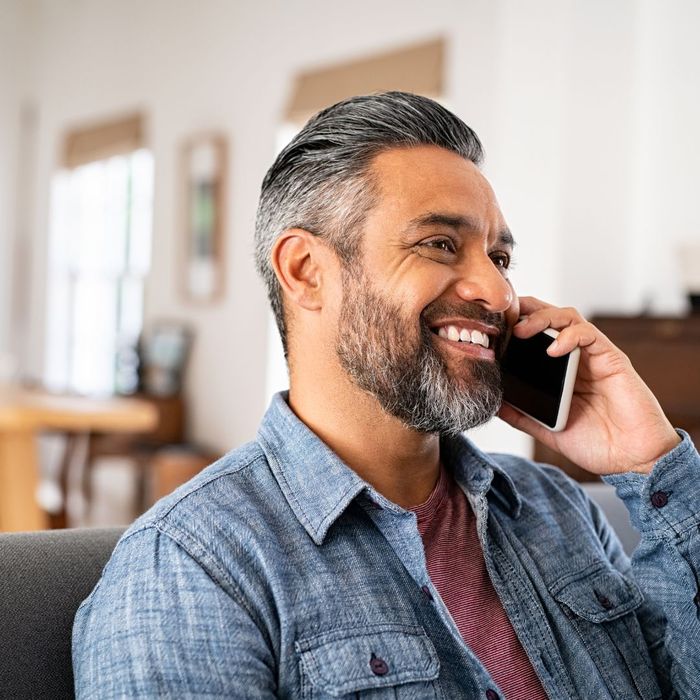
x,y
463,334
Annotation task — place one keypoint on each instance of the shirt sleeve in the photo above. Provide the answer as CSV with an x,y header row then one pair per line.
x,y
159,625
665,507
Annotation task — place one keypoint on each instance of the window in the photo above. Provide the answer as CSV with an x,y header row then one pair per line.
x,y
99,256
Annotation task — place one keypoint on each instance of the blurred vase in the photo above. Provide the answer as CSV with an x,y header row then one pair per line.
x,y
126,376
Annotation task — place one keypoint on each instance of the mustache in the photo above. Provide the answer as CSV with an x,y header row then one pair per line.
x,y
468,310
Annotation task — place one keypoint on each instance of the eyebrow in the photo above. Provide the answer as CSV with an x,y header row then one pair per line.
x,y
505,237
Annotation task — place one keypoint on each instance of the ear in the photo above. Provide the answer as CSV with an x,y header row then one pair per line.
x,y
299,258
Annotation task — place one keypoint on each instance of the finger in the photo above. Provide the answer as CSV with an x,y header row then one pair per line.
x,y
580,335
524,423
548,317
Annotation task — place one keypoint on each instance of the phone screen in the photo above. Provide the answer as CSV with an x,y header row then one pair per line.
x,y
532,380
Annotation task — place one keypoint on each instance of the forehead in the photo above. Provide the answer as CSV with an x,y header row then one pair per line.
x,y
415,180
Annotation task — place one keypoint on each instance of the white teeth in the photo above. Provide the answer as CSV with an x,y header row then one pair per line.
x,y
463,335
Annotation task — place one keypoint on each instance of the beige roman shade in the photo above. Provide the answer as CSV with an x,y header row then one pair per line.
x,y
103,140
417,68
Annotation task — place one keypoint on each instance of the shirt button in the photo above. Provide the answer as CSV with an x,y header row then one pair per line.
x,y
426,592
659,499
379,666
491,694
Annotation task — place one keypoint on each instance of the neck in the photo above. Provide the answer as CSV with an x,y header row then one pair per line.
x,y
402,464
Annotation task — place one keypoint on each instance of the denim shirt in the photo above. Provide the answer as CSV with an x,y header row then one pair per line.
x,y
279,572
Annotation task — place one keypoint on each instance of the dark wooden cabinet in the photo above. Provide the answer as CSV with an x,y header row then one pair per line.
x,y
665,351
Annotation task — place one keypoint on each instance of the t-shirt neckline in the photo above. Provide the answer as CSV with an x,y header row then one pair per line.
x,y
426,510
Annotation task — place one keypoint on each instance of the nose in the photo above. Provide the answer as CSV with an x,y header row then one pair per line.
x,y
482,281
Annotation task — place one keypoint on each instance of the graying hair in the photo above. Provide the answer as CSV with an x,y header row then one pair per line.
x,y
321,180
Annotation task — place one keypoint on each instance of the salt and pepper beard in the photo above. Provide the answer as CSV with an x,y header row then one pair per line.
x,y
379,350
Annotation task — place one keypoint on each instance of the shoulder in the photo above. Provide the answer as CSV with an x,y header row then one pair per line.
x,y
208,529
231,487
217,518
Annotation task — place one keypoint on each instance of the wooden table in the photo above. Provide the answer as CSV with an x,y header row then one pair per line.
x,y
24,414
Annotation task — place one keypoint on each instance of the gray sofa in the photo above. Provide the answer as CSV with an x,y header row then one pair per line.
x,y
616,513
43,578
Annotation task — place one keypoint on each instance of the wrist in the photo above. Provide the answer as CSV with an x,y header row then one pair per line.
x,y
672,441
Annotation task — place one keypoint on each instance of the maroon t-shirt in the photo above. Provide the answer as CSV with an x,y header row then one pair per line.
x,y
457,569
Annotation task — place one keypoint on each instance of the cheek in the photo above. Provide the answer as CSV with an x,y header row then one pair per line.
x,y
512,313
332,308
418,293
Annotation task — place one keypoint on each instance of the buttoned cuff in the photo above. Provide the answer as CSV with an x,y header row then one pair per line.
x,y
667,500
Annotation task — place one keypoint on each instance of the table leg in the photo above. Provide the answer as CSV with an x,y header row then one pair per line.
x,y
19,480
59,518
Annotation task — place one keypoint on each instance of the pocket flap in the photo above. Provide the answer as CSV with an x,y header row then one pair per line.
x,y
350,660
598,594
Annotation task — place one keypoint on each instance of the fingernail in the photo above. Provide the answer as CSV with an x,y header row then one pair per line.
x,y
553,346
522,321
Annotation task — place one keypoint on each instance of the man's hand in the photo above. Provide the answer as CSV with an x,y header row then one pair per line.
x,y
615,424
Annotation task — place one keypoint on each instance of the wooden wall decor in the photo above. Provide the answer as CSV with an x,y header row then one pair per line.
x,y
204,173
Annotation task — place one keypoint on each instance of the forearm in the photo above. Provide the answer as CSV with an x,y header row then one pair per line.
x,y
665,507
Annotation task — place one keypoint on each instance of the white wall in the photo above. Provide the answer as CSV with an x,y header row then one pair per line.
x,y
666,215
8,135
15,73
569,97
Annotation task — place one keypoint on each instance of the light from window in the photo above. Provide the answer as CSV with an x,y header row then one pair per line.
x,y
99,256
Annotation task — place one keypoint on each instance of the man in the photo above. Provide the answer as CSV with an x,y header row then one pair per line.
x,y
361,546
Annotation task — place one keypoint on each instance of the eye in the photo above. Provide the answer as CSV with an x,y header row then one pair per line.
x,y
501,260
442,244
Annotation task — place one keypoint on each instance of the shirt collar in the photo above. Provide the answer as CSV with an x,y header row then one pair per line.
x,y
319,486
478,472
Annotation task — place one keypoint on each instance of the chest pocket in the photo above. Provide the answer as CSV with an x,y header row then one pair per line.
x,y
601,604
376,661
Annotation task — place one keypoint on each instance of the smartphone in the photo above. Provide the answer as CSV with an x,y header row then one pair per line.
x,y
536,384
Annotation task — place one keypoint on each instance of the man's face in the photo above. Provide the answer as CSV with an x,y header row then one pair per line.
x,y
429,283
